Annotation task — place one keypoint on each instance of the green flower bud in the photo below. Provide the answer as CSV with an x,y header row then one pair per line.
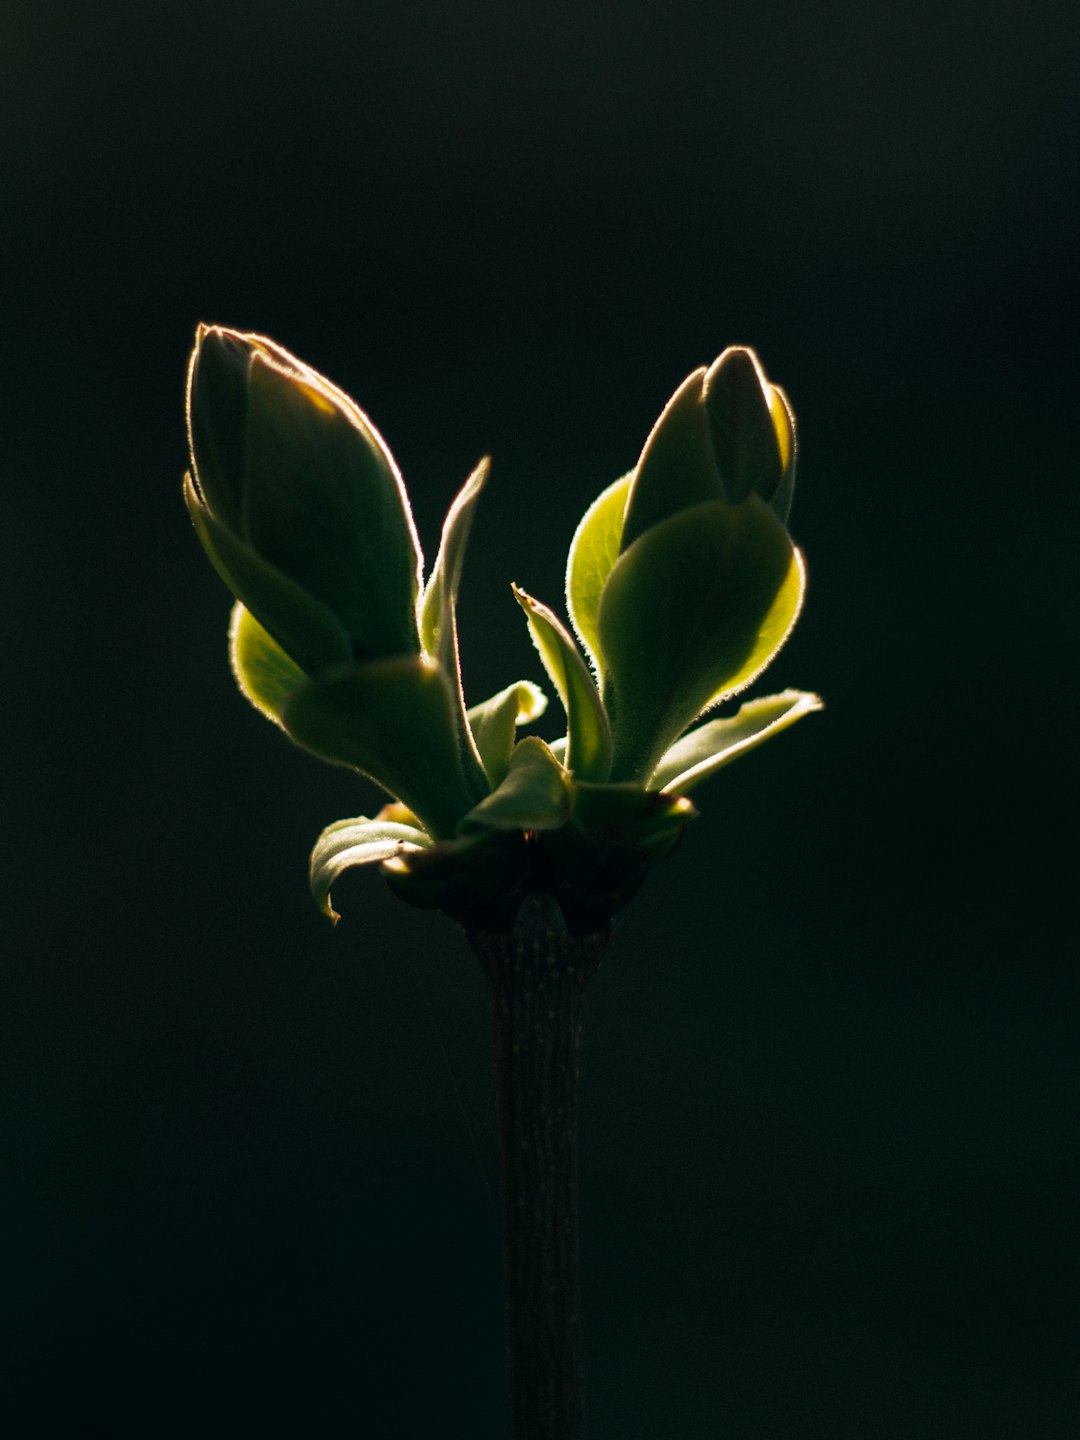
x,y
299,504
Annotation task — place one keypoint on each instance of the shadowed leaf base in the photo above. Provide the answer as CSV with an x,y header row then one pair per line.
x,y
483,880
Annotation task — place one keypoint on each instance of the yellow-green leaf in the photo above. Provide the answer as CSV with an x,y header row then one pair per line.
x,y
692,612
783,418
588,752
265,674
593,551
437,610
438,613
393,720
494,721
718,742
535,795
351,843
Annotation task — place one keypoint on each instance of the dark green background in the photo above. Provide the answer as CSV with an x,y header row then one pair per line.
x,y
829,1091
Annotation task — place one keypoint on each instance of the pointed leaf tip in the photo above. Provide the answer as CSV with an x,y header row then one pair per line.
x,y
439,598
676,468
745,442
438,615
324,501
715,744
589,733
593,552
494,722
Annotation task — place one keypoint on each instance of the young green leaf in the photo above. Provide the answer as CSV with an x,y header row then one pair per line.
x,y
323,501
593,551
350,843
217,421
677,468
535,795
726,433
588,752
302,625
438,612
393,720
783,418
494,721
718,742
437,606
265,674
745,442
692,612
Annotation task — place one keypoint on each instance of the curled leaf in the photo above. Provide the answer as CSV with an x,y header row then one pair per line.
x,y
324,502
677,468
494,722
351,843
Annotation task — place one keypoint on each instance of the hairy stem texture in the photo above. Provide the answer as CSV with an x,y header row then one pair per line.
x,y
537,975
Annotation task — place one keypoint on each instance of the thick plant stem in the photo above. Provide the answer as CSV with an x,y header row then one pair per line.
x,y
538,975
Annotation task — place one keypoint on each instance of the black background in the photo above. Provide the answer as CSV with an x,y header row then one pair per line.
x,y
829,1090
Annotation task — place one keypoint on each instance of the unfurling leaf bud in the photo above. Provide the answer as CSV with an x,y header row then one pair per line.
x,y
752,431
682,584
299,504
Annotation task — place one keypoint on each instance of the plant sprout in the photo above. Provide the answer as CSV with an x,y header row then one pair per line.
x,y
682,584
